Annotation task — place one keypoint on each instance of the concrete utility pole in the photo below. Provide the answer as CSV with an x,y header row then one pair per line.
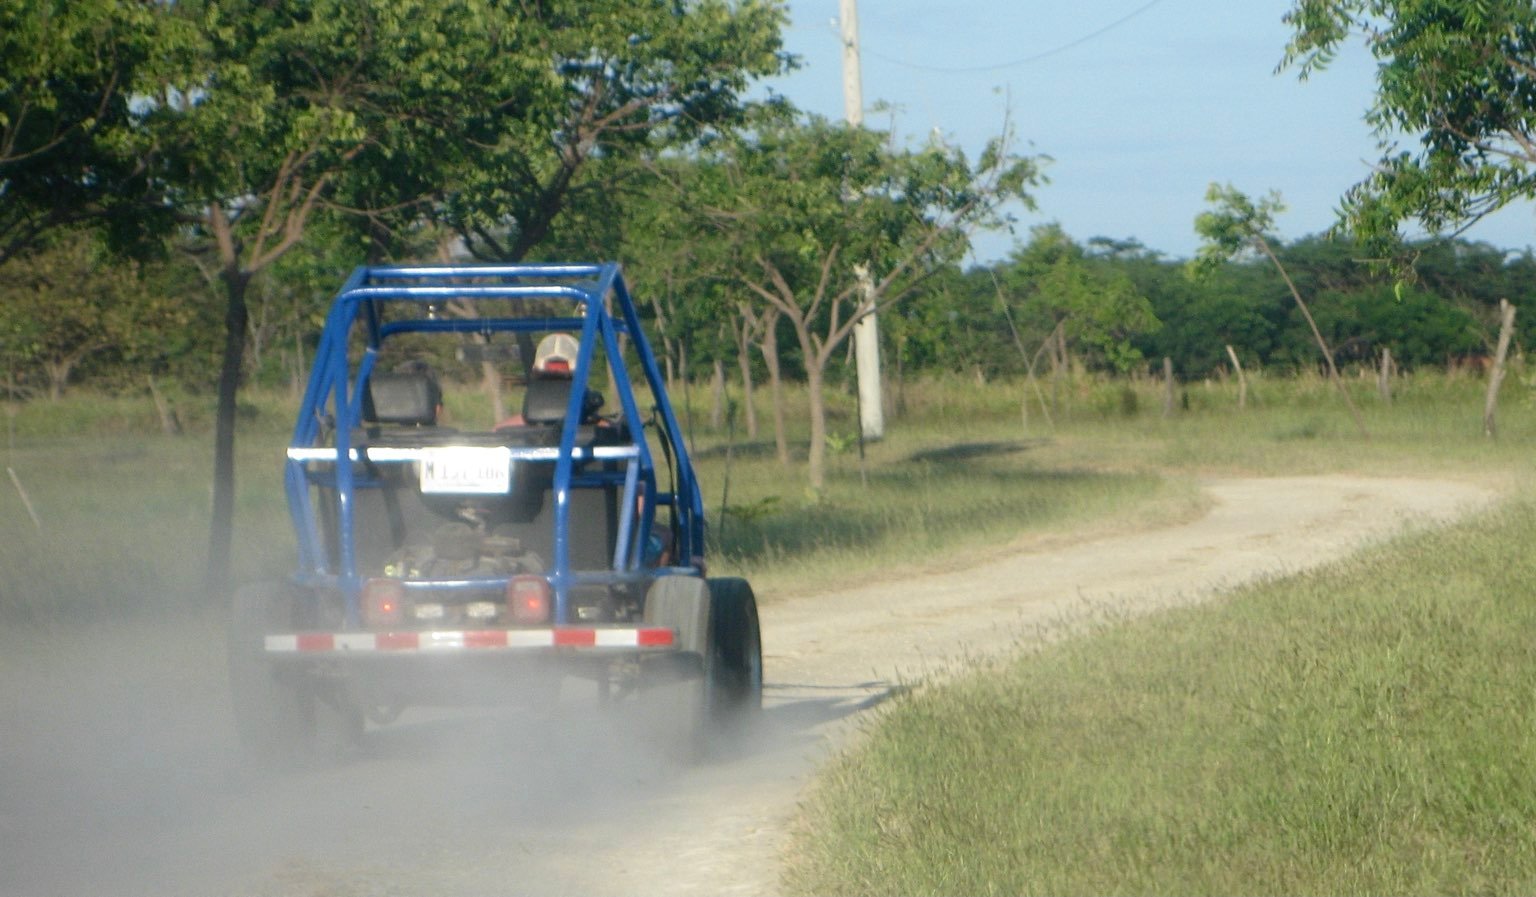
x,y
866,333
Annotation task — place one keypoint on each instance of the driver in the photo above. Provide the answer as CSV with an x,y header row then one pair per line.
x,y
555,360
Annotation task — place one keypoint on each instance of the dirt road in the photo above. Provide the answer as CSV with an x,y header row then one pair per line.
x,y
118,773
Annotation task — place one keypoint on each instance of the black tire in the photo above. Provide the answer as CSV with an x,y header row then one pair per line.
x,y
736,671
274,707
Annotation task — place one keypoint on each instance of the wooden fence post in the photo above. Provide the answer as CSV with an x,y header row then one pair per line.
x,y
1167,386
1496,376
1384,376
1242,379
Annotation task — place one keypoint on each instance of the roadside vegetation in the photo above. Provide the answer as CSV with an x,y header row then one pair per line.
x,y
123,508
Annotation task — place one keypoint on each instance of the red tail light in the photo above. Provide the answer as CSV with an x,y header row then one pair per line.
x,y
383,603
528,599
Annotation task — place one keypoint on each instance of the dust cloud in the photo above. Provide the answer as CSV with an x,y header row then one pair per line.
x,y
120,775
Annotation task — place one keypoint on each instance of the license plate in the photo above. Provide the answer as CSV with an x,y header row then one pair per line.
x,y
465,470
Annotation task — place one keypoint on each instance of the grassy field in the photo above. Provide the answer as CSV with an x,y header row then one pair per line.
x,y
123,510
966,470
1365,729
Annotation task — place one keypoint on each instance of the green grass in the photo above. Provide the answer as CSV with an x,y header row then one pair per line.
x,y
1358,730
963,472
920,503
1363,729
124,509
123,525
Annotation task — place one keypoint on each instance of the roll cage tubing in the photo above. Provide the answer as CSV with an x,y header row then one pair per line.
x,y
332,382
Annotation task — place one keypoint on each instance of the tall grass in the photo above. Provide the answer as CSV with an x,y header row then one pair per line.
x,y
965,468
1361,729
123,526
124,508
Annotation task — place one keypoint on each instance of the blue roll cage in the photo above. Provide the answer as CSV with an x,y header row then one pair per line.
x,y
333,403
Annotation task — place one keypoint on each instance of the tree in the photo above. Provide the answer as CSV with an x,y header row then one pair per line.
x,y
1458,77
804,204
1078,302
66,304
1236,224
629,79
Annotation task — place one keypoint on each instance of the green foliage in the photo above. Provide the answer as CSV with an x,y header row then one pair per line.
x,y
1099,308
323,134
955,322
800,204
1234,226
1456,78
822,224
629,80
1240,305
71,150
70,307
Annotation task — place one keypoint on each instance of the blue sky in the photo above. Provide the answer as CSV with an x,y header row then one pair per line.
x,y
1138,118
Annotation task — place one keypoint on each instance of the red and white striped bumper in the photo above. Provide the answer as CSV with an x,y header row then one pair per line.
x,y
447,642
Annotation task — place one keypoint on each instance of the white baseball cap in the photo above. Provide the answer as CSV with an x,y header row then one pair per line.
x,y
556,354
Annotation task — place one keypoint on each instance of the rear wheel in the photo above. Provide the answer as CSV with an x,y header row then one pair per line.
x,y
274,707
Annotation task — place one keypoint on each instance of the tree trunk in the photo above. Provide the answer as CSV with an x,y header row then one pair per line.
x,y
58,376
671,350
1384,377
817,458
682,378
717,395
744,361
769,346
296,375
1496,376
490,378
221,525
170,424
1317,334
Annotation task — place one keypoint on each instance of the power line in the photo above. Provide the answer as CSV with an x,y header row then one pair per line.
x,y
1017,62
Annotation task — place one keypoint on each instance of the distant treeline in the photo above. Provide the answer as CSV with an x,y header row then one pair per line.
x,y
72,316
1126,307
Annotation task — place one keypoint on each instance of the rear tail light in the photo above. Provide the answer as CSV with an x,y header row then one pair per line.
x,y
528,599
383,603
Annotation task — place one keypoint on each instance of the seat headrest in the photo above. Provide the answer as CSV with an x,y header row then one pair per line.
x,y
546,400
548,397
408,398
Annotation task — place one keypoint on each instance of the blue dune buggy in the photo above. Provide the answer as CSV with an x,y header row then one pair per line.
x,y
445,561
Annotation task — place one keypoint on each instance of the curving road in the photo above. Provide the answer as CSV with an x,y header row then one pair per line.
x,y
118,773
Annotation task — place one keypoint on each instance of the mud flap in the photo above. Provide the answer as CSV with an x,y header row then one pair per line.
x,y
674,689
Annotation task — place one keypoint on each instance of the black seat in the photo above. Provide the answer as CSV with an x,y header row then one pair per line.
x,y
547,398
